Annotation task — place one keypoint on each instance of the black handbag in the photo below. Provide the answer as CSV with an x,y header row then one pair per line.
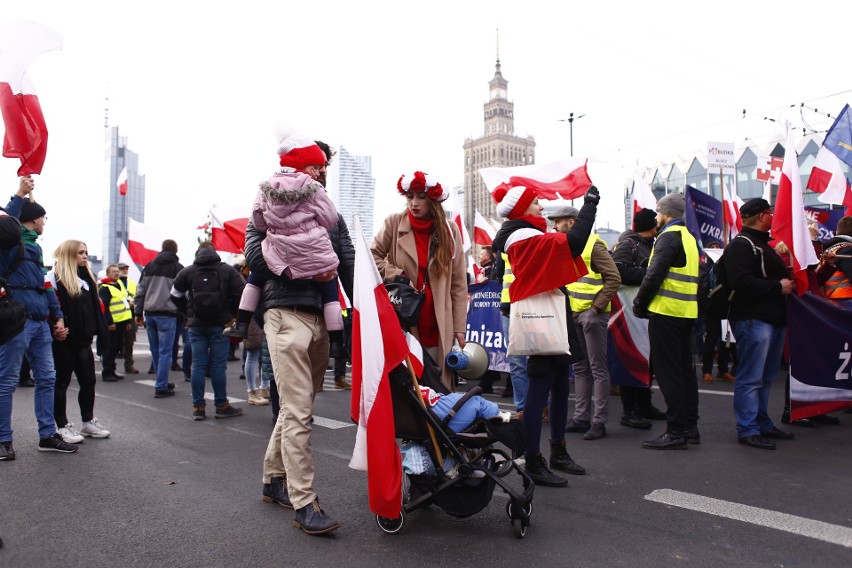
x,y
406,301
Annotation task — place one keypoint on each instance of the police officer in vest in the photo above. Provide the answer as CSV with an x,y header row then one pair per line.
x,y
119,319
129,337
590,302
668,297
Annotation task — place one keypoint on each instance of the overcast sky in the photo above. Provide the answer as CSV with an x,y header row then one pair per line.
x,y
196,89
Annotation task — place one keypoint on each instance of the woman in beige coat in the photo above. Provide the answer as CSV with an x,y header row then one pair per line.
x,y
401,249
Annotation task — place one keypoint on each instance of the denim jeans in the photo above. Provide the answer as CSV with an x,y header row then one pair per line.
x,y
251,369
161,339
759,345
208,344
36,341
517,370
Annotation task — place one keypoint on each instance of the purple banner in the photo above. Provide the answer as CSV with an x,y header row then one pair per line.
x,y
703,218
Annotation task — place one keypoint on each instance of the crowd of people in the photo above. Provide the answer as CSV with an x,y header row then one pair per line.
x,y
282,300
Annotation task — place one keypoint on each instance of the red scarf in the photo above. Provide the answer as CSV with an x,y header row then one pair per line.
x,y
427,327
536,221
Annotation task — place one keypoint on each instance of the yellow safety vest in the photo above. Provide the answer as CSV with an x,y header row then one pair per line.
x,y
584,291
131,287
119,308
678,294
508,278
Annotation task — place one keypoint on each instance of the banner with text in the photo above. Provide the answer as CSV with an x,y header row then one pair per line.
x,y
703,217
484,324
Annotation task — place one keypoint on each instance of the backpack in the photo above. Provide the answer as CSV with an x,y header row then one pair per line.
x,y
718,299
13,316
206,294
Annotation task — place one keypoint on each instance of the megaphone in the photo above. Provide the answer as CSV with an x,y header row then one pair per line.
x,y
470,362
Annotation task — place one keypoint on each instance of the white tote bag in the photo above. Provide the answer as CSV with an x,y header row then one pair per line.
x,y
538,325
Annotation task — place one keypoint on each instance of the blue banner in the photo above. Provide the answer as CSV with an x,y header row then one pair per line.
x,y
826,220
484,324
839,137
704,218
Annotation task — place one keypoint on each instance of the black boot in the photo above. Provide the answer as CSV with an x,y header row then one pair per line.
x,y
313,520
559,459
633,420
537,469
276,492
335,346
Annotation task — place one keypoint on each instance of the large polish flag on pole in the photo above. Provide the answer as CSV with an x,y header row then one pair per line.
x,y
133,272
483,232
731,212
643,197
26,131
789,224
228,228
565,179
373,317
143,241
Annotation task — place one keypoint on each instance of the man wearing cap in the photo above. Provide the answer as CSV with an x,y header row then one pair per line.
x,y
631,258
22,268
759,280
668,297
129,337
590,303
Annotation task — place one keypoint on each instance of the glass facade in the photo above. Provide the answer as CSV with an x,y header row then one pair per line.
x,y
120,207
352,188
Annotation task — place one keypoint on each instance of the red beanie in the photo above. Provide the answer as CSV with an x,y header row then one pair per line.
x,y
299,152
515,202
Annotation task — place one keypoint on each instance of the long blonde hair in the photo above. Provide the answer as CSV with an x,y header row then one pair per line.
x,y
65,266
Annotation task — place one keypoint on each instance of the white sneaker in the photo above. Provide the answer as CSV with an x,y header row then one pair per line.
x,y
69,435
94,429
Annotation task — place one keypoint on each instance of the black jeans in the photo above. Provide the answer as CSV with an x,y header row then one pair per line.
x,y
77,359
113,348
553,383
671,355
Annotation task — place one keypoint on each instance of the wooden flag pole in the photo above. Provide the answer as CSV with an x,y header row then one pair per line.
x,y
422,403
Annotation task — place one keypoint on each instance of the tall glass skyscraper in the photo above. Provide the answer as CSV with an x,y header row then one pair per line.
x,y
120,207
352,188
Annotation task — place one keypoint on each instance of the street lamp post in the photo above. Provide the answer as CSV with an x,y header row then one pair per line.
x,y
570,120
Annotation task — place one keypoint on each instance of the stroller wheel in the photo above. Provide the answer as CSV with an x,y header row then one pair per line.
x,y
391,526
519,528
527,509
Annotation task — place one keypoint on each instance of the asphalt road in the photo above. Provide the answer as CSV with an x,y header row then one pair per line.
x,y
167,491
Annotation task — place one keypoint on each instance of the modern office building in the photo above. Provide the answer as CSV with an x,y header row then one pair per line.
x,y
497,147
120,207
353,187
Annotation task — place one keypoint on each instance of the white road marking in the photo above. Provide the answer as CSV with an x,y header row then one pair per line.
x,y
207,395
332,424
819,530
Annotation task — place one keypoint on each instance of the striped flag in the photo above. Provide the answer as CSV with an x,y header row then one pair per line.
x,y
121,182
565,179
378,345
228,228
483,232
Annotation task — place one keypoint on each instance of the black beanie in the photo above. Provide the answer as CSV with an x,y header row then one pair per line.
x,y
644,220
30,211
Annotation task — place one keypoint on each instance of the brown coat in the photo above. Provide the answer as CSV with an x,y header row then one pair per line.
x,y
395,252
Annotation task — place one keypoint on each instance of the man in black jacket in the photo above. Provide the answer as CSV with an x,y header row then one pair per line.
x,y
208,292
631,258
154,304
298,346
759,279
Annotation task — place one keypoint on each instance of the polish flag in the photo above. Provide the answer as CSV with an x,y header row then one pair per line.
x,y
455,208
133,272
143,242
121,182
643,197
566,179
789,224
483,233
526,249
731,213
827,179
228,228
378,345
473,269
26,131
415,352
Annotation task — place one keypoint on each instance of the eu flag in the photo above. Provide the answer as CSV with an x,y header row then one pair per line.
x,y
839,137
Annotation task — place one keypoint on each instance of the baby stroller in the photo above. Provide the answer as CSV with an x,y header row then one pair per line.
x,y
479,465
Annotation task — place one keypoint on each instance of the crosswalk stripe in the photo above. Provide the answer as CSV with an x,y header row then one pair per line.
x,y
207,395
810,528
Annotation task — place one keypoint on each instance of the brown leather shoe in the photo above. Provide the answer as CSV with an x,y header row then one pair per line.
x,y
728,377
707,379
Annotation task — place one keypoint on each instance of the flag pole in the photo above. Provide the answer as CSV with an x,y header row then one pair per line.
x,y
423,404
725,213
